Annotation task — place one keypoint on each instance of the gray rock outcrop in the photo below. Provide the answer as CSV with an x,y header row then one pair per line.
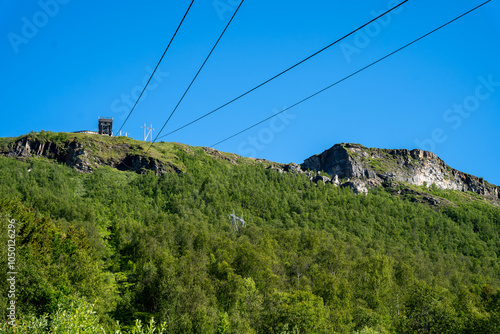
x,y
374,166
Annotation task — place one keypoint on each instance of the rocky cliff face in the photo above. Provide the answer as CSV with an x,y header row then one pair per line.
x,y
374,166
85,157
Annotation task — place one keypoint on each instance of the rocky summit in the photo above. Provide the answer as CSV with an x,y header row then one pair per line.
x,y
369,167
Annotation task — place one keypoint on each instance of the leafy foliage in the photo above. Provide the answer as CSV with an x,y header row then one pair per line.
x,y
112,246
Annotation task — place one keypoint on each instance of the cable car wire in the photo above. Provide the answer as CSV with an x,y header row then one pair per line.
x,y
192,81
351,75
157,65
285,71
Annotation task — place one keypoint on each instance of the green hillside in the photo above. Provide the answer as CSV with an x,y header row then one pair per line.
x,y
136,244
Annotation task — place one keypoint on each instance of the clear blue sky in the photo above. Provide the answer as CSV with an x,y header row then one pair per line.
x,y
65,63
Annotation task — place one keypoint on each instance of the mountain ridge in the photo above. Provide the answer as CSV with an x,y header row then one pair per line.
x,y
347,164
133,242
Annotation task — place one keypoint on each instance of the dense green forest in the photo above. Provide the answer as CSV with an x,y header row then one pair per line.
x,y
116,252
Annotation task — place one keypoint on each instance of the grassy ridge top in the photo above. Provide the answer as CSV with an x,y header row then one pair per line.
x,y
111,151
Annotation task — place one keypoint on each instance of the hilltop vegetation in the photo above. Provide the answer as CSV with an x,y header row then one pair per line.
x,y
313,258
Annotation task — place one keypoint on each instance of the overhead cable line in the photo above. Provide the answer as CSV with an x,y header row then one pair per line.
x,y
192,81
152,74
285,71
351,75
